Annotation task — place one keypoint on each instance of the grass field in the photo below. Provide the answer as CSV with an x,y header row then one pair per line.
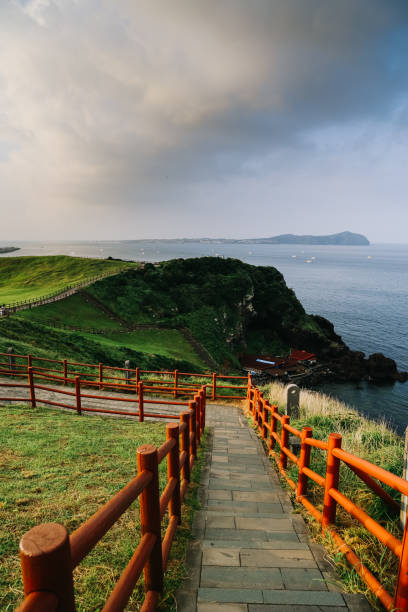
x,y
60,467
23,278
169,343
74,310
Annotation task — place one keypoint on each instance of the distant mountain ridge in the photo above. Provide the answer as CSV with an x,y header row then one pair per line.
x,y
342,239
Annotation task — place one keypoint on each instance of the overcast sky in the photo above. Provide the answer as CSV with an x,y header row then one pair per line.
x,y
233,118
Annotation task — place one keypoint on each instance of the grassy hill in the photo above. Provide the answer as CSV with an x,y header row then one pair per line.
x,y
230,307
23,278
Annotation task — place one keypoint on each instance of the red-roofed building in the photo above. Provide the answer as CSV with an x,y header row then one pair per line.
x,y
302,356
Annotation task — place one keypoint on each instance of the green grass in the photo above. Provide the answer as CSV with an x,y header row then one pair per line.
x,y
168,343
23,278
367,439
74,310
60,467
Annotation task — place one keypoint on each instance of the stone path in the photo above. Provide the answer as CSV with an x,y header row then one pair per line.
x,y
251,551
95,403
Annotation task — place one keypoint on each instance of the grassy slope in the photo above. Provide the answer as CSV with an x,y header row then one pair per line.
x,y
372,441
74,310
228,305
30,337
24,278
54,470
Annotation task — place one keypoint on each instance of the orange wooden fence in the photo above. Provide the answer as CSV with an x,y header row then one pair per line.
x,y
105,376
275,430
49,554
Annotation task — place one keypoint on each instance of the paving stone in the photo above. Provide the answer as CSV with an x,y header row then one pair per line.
x,y
220,522
280,558
241,577
356,602
292,608
221,556
218,504
307,579
255,496
220,495
230,595
217,607
264,524
247,544
305,598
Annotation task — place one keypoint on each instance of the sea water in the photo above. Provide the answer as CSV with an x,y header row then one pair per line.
x,y
362,290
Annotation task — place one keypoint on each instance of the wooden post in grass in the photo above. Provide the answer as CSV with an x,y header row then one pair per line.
x,y
78,394
185,445
404,498
304,461
193,440
175,383
173,469
214,386
141,404
331,480
150,517
100,375
283,459
46,564
32,388
64,365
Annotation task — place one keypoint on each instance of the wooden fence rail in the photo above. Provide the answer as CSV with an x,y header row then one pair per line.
x,y
49,554
104,376
275,429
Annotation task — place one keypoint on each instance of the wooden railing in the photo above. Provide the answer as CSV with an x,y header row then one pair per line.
x,y
105,376
53,296
275,430
49,554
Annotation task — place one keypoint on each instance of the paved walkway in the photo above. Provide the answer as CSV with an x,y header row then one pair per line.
x,y
251,551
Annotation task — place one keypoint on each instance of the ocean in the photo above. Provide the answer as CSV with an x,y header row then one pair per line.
x,y
362,290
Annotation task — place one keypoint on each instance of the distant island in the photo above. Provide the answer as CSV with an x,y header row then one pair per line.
x,y
342,239
8,249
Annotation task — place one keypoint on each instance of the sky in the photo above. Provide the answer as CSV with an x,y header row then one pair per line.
x,y
191,118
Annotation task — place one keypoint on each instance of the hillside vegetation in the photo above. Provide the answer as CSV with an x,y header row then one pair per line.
x,y
230,307
23,278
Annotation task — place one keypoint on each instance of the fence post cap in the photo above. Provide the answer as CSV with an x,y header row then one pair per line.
x,y
174,427
335,436
43,539
146,449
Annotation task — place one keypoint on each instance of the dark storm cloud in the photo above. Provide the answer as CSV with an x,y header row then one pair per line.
x,y
126,105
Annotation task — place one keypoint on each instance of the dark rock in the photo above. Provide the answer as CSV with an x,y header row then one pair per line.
x,y
381,368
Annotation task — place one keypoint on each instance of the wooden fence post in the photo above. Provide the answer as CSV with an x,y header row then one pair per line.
x,y
32,388
214,386
283,459
404,498
141,404
175,383
100,375
260,408
150,517
46,563
331,480
193,441
185,445
401,589
137,376
197,399
29,361
78,394
173,469
64,365
265,414
274,426
304,461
